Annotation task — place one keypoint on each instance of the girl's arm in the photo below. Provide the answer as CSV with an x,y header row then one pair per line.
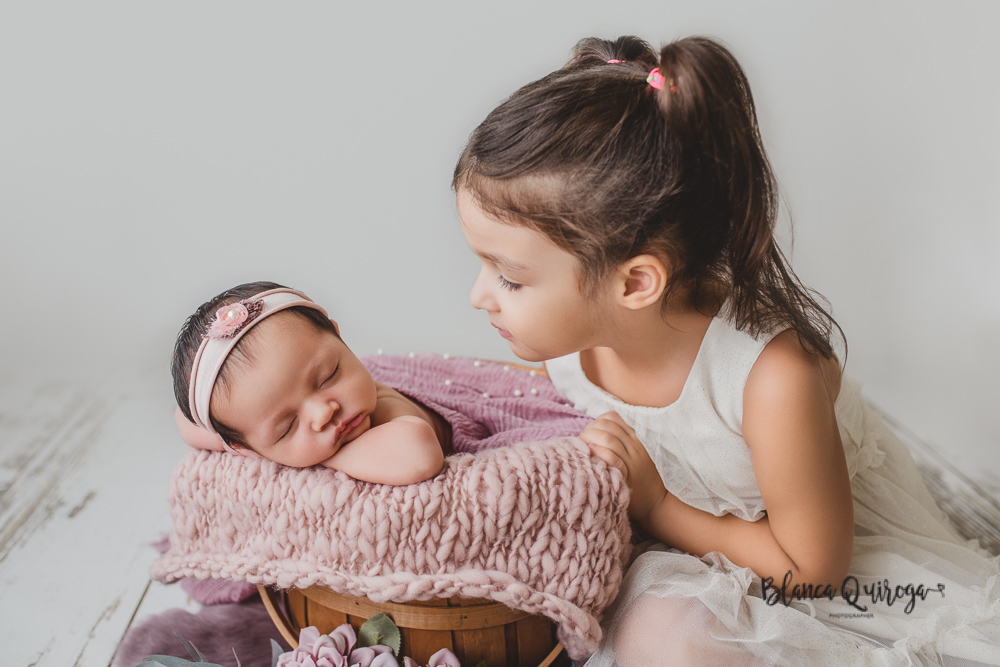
x,y
798,459
405,446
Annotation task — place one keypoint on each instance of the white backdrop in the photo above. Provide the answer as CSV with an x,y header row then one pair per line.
x,y
153,154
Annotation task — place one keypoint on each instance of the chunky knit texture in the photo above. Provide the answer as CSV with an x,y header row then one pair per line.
x,y
538,527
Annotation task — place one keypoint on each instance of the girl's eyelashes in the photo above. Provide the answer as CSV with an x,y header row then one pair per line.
x,y
508,285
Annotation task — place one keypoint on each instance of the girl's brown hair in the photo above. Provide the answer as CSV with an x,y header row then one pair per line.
x,y
190,337
609,167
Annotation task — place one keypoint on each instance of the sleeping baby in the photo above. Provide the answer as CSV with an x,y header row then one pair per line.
x,y
261,368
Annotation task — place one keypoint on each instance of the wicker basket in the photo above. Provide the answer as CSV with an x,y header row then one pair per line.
x,y
474,629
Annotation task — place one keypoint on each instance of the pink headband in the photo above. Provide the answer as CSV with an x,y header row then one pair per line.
x,y
229,325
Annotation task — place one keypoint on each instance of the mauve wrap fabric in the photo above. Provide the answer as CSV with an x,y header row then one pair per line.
x,y
454,387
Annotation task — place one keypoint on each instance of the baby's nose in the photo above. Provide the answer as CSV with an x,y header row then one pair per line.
x,y
322,413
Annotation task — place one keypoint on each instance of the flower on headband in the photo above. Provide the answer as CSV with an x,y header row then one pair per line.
x,y
230,320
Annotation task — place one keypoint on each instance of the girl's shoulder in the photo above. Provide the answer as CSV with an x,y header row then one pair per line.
x,y
784,365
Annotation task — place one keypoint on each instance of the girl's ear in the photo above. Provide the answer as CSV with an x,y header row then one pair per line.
x,y
643,280
336,327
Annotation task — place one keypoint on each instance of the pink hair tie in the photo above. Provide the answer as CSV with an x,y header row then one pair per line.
x,y
655,79
615,61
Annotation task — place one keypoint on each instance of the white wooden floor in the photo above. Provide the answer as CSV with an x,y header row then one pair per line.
x,y
83,484
83,481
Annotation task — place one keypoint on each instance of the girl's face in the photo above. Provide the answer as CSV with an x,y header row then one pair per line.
x,y
300,397
528,286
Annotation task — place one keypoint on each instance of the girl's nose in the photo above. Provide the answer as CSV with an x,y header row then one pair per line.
x,y
480,296
321,412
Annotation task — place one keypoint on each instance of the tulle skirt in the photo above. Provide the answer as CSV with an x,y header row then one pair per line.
x,y
917,593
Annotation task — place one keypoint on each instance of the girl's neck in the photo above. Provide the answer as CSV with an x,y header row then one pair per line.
x,y
648,357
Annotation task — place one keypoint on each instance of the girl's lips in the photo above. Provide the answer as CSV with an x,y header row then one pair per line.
x,y
503,332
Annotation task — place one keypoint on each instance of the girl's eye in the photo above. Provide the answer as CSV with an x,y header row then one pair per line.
x,y
508,285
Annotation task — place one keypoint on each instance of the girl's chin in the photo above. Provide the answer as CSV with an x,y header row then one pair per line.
x,y
527,354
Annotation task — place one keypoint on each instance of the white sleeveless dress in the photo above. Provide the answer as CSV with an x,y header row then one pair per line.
x,y
670,599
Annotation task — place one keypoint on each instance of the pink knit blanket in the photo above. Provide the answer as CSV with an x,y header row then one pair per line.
x,y
539,527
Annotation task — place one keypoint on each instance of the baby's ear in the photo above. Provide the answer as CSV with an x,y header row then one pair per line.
x,y
336,327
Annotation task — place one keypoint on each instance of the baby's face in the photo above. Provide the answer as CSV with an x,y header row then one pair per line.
x,y
302,396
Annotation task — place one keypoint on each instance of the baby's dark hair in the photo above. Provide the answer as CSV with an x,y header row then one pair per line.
x,y
191,334
609,167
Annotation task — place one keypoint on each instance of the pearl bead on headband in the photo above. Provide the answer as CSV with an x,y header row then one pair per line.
x,y
230,324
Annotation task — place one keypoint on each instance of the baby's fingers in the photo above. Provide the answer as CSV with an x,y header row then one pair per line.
x,y
605,446
610,458
616,418
603,435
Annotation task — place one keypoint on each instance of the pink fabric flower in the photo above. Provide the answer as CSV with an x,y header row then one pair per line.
x,y
316,650
228,320
335,650
373,656
443,658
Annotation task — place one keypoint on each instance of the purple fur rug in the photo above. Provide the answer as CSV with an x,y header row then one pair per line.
x,y
215,630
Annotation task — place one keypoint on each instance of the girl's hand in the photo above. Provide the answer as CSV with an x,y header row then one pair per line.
x,y
614,442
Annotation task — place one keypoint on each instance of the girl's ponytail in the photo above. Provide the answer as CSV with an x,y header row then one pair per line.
x,y
711,119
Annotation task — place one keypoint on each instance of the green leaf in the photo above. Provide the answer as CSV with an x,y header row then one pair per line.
x,y
276,652
380,629
172,661
168,661
192,650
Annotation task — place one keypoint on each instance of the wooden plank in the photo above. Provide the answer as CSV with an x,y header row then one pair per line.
x,y
510,645
298,610
82,495
535,639
422,644
325,619
484,644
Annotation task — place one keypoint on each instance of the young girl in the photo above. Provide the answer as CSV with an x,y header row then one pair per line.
x,y
262,368
623,210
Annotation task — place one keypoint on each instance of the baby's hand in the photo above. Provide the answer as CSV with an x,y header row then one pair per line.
x,y
614,442
195,436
